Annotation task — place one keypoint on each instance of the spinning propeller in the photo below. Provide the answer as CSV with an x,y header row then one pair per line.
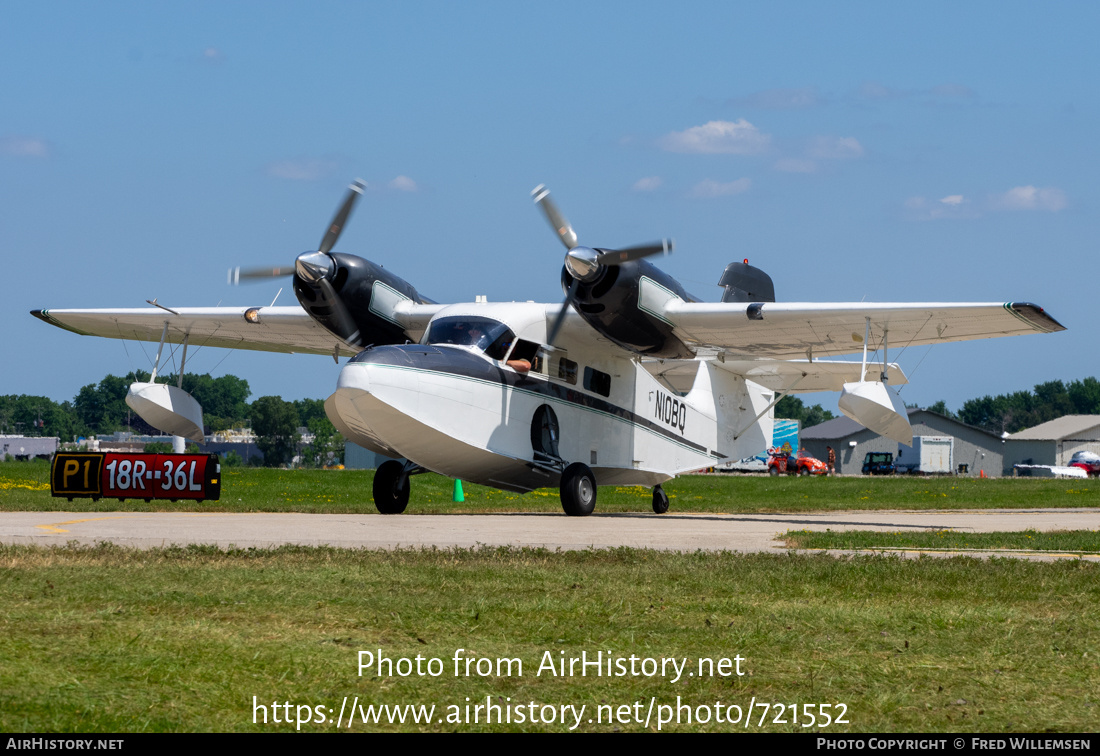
x,y
317,268
584,264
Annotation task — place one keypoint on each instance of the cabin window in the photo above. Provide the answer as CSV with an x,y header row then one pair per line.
x,y
527,351
498,350
491,336
597,381
567,371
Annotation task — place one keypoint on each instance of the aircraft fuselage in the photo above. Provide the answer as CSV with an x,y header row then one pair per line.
x,y
454,409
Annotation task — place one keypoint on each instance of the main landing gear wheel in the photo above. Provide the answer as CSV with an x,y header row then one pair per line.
x,y
660,500
391,488
578,490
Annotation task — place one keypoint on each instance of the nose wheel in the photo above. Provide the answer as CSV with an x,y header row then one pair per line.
x,y
391,485
660,500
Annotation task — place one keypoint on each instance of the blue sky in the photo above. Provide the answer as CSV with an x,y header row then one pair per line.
x,y
855,151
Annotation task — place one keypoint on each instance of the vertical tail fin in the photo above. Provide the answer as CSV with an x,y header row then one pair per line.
x,y
734,403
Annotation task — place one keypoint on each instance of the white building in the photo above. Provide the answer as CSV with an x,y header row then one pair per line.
x,y
27,447
1054,442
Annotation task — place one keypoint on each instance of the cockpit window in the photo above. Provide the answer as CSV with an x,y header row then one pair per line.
x,y
491,336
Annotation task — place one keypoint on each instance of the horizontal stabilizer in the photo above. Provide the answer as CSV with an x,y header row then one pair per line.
x,y
787,376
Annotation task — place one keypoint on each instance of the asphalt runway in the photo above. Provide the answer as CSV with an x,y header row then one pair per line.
x,y
676,532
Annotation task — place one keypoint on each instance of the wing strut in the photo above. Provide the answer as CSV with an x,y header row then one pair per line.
x,y
160,350
866,338
183,360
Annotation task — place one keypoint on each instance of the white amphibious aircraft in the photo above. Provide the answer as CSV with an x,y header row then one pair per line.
x,y
630,381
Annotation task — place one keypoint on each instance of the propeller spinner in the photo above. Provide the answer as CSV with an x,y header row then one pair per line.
x,y
317,268
584,264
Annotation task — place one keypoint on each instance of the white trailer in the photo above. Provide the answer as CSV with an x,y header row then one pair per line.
x,y
930,455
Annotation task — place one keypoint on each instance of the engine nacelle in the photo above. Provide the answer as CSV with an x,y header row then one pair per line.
x,y
368,291
610,303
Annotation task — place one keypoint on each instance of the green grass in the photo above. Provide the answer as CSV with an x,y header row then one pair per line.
x,y
116,640
25,486
1072,541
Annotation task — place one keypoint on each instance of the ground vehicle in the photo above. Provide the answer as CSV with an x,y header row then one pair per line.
x,y
800,462
1087,461
757,464
930,455
878,463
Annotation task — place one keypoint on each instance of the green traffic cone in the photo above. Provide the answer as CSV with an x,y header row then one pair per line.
x,y
459,496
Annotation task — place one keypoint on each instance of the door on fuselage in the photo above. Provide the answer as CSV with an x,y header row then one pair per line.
x,y
544,434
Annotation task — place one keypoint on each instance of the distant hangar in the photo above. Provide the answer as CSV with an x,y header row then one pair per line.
x,y
974,451
1055,441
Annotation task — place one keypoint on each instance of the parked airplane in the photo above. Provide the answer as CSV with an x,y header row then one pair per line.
x,y
630,381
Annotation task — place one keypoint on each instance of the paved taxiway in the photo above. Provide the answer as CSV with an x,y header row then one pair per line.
x,y
680,532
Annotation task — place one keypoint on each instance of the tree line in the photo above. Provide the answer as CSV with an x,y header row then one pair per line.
x,y
100,409
1011,413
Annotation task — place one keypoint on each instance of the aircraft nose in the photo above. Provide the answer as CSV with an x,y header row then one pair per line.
x,y
354,376
313,266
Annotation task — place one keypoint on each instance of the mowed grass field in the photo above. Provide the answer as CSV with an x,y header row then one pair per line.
x,y
1063,542
106,639
191,639
25,487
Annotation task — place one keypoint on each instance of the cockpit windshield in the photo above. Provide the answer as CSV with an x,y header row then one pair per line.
x,y
491,336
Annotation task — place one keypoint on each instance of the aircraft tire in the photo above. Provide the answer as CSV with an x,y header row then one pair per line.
x,y
391,488
578,490
660,500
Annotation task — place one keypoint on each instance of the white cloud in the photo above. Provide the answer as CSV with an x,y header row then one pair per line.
x,y
795,165
22,146
780,99
951,206
647,184
306,169
1030,197
213,55
718,137
404,184
835,148
709,188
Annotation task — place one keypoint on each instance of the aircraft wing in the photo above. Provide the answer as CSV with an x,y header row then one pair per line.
x,y
271,329
785,330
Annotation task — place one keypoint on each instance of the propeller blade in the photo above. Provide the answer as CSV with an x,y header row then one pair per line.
x,y
236,275
345,324
620,256
557,221
560,319
328,241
